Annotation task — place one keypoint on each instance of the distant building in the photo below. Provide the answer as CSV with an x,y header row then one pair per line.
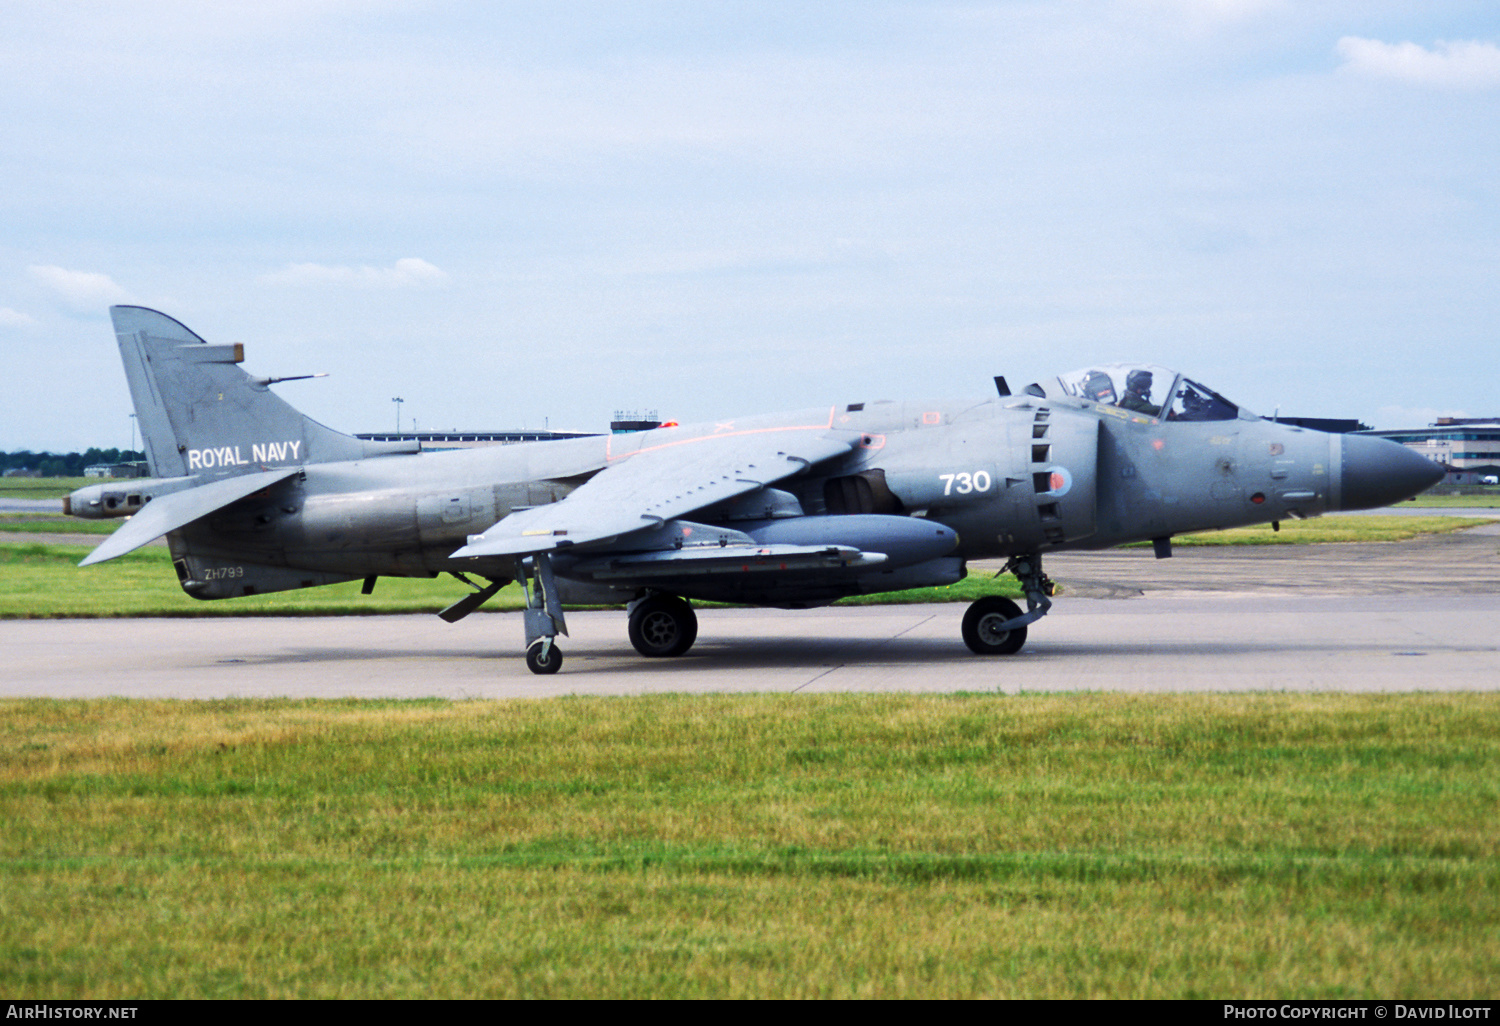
x,y
1469,447
471,439
117,470
1331,425
626,421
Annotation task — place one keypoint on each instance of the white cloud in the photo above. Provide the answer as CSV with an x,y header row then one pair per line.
x,y
407,272
1467,64
14,318
84,291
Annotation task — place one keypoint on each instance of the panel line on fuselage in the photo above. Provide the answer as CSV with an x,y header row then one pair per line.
x,y
609,454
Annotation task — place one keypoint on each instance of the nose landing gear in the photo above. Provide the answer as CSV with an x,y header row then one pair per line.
x,y
984,627
996,626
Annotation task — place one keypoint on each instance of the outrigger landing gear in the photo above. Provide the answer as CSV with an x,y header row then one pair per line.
x,y
996,626
662,625
543,613
542,656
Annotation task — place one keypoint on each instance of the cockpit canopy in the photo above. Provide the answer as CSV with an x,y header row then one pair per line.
x,y
1141,388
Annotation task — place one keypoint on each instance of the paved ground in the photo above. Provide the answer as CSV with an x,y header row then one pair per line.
x,y
1462,562
1418,615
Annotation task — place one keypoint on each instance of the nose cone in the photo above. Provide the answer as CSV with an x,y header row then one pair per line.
x,y
1378,472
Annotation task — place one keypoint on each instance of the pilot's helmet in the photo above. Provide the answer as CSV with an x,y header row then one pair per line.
x,y
1138,381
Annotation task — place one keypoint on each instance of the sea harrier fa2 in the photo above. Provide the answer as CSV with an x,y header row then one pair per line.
x,y
791,510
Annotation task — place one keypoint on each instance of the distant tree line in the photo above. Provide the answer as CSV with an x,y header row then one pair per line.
x,y
51,464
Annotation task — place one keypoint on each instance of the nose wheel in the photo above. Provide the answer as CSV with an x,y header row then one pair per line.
x,y
984,630
995,625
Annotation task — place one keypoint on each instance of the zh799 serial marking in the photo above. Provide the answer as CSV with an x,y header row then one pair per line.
x,y
791,510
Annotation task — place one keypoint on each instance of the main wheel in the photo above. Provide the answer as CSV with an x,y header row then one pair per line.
x,y
982,631
663,625
538,663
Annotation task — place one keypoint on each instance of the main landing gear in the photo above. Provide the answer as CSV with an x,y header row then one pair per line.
x,y
996,626
662,625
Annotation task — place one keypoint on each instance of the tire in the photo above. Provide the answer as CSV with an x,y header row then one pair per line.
x,y
663,626
537,664
979,627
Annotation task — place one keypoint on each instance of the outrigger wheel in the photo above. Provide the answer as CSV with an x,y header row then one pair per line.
x,y
662,625
982,632
543,657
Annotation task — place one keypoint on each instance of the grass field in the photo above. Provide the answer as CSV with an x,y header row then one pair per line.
x,y
41,487
54,523
1082,845
1488,499
1332,529
881,846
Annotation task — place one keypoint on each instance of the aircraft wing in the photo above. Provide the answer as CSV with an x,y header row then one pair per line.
x,y
657,484
169,512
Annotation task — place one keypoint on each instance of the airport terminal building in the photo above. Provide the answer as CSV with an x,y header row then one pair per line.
x,y
624,421
469,439
1468,446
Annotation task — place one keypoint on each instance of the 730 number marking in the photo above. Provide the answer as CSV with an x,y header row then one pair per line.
x,y
964,484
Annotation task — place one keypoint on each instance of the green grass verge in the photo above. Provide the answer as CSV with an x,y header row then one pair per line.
x,y
1331,529
40,581
42,487
885,846
1487,500
54,523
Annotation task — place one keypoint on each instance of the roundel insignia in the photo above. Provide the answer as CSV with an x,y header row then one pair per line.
x,y
1060,482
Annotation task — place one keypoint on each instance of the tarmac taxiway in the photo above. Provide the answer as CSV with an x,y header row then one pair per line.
x,y
1422,615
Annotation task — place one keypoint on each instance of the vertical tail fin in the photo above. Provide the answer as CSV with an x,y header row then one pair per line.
x,y
200,414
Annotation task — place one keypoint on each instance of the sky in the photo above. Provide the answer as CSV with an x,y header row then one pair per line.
x,y
526,215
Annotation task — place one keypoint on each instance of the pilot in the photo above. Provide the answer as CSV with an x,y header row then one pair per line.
x,y
1194,406
1138,393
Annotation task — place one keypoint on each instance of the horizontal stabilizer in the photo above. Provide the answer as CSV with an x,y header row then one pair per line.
x,y
169,512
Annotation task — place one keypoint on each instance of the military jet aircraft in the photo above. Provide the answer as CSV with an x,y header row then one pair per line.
x,y
790,510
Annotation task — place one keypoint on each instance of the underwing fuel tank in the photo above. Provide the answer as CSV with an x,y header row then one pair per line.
x,y
902,540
